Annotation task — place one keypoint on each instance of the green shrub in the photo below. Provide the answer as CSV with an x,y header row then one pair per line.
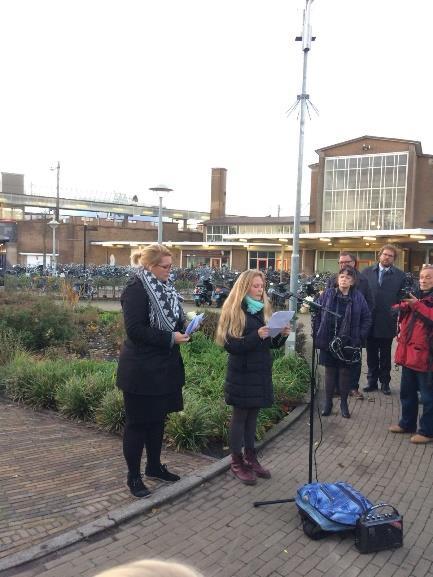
x,y
209,325
34,382
39,322
219,415
189,429
80,395
11,343
15,375
110,414
71,397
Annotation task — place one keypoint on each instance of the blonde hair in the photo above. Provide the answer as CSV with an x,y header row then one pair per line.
x,y
150,568
232,318
150,255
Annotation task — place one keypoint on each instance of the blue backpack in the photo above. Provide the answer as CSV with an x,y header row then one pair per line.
x,y
329,507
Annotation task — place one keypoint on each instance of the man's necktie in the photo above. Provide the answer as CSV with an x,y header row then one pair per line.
x,y
381,272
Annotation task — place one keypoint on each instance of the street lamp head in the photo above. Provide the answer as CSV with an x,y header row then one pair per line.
x,y
160,188
53,223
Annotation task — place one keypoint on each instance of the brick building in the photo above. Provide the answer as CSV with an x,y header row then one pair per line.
x,y
365,192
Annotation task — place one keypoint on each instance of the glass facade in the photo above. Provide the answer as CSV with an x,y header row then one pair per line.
x,y
214,233
327,260
365,192
261,260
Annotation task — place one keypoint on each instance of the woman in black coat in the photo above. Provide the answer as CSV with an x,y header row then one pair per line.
x,y
150,371
243,332
347,328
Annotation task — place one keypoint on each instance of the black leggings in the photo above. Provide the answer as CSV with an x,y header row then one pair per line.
x,y
341,375
243,429
135,437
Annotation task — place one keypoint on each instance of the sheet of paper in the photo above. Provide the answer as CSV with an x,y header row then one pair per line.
x,y
278,321
194,325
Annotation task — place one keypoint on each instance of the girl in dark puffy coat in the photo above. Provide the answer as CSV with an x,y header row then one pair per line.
x,y
242,331
351,326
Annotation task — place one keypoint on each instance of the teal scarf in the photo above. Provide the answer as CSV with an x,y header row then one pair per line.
x,y
253,306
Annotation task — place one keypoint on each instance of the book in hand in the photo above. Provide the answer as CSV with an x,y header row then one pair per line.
x,y
194,325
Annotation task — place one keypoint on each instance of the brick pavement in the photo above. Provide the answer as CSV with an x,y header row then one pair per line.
x,y
216,528
56,474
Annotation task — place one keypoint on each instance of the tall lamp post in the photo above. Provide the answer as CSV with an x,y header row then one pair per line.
x,y
54,224
162,190
303,98
57,211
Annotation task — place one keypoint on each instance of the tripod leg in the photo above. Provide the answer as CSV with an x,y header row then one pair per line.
x,y
260,503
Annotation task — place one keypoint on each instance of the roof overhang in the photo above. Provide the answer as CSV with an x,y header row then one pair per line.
x,y
184,244
411,233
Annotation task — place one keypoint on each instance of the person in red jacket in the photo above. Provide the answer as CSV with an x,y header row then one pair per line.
x,y
415,354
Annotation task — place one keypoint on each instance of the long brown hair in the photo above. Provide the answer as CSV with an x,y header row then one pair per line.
x,y
232,319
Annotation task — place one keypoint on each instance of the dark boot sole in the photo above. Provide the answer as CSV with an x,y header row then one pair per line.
x,y
245,482
140,496
268,476
159,479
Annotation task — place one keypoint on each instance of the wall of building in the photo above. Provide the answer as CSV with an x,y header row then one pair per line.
x,y
423,208
419,204
35,236
239,259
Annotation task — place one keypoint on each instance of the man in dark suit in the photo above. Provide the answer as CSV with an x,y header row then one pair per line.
x,y
385,281
361,283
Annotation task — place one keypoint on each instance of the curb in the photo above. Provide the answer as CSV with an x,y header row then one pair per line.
x,y
127,512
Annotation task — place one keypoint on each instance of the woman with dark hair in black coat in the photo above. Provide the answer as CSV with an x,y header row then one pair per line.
x,y
150,371
349,329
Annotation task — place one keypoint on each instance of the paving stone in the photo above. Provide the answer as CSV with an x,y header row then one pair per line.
x,y
216,528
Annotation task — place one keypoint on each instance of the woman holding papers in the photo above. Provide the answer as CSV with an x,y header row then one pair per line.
x,y
340,336
150,371
242,331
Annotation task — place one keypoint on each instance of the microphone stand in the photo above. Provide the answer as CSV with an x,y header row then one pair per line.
x,y
313,305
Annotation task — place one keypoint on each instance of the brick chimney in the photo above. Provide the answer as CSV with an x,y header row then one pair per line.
x,y
218,193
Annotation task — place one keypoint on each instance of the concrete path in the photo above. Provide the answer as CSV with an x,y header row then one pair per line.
x,y
215,527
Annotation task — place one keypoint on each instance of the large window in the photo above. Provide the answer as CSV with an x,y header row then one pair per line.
x,y
365,192
327,260
269,229
261,260
215,233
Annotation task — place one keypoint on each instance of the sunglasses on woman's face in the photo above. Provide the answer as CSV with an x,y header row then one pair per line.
x,y
165,266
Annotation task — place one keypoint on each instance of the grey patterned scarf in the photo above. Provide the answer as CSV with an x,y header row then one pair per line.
x,y
165,310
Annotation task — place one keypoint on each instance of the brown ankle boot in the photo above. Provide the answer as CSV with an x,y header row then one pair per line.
x,y
251,461
240,470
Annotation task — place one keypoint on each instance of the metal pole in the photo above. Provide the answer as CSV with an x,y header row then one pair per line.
x,y
282,261
303,97
160,221
84,246
58,192
54,252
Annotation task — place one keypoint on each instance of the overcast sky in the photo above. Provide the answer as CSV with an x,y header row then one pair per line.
x,y
133,93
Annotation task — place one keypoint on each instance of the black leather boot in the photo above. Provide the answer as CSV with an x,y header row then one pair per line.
x,y
327,408
344,409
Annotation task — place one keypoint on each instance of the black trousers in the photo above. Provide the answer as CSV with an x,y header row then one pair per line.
x,y
379,361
